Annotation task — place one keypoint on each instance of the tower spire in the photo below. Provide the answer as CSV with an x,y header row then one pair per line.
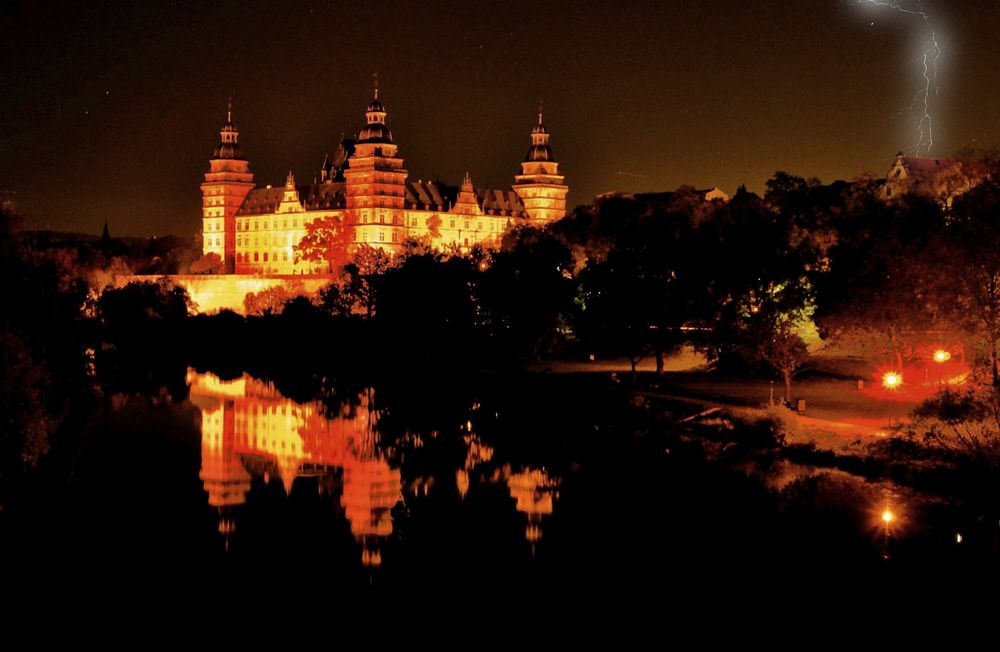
x,y
540,105
229,109
375,82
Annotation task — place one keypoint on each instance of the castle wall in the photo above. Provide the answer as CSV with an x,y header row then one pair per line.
x,y
212,293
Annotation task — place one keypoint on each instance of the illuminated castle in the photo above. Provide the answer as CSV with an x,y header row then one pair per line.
x,y
365,190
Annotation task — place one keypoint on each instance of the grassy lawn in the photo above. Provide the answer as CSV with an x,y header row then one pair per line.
x,y
827,398
830,388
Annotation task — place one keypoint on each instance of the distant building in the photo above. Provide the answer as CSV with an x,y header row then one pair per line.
x,y
705,194
940,179
255,230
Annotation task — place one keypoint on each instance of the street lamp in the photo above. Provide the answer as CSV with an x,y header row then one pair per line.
x,y
892,380
887,518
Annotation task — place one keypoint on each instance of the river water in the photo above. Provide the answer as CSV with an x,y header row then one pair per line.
x,y
538,485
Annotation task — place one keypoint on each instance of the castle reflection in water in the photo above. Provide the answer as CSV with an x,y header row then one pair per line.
x,y
248,430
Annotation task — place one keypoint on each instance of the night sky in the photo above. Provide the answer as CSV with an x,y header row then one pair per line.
x,y
111,112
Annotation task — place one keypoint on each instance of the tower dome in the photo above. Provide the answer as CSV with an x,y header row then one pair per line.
x,y
230,150
229,137
540,150
375,132
539,153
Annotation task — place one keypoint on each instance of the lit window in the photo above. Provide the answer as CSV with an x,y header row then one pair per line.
x,y
453,223
265,256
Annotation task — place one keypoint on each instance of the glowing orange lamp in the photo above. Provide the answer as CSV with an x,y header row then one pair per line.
x,y
892,380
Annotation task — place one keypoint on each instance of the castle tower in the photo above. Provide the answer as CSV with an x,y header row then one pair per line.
x,y
466,202
226,185
540,185
291,202
376,183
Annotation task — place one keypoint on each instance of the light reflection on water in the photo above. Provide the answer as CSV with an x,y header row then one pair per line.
x,y
249,430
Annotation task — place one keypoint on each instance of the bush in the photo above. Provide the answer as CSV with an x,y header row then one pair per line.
x,y
767,426
966,423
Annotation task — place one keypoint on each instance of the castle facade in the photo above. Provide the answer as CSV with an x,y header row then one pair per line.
x,y
365,192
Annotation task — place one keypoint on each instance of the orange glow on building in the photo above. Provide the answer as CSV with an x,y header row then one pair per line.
x,y
366,187
227,183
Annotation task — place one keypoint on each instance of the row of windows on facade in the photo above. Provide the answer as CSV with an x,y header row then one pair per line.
x,y
291,239
275,256
277,239
244,225
363,191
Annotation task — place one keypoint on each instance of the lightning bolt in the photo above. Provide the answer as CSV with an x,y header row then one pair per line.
x,y
932,51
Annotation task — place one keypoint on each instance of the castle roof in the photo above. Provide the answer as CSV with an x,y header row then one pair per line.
x,y
228,150
500,202
926,166
540,153
420,195
375,132
429,195
314,197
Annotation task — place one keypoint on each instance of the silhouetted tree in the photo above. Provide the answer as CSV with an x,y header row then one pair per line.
x,y
527,292
783,349
635,300
884,276
424,309
353,292
42,340
970,266
751,271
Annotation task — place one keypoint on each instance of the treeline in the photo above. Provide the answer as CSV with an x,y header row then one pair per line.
x,y
637,276
43,343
